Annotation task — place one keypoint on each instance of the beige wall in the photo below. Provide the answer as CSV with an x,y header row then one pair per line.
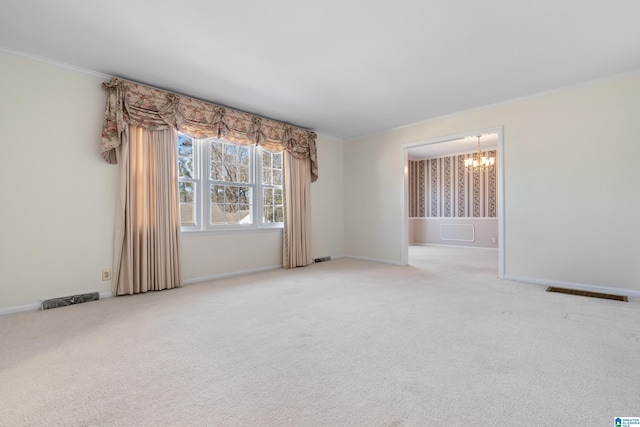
x,y
56,221
571,184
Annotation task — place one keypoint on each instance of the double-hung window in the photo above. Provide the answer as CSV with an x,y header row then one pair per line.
x,y
227,186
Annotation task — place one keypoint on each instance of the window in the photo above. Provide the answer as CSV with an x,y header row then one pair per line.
x,y
227,186
272,187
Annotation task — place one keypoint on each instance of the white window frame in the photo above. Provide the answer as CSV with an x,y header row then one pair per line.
x,y
202,180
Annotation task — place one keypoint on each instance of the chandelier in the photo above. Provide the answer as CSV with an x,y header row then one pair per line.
x,y
479,162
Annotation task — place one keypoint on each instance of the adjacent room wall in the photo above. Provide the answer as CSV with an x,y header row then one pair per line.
x,y
450,206
57,216
571,198
441,231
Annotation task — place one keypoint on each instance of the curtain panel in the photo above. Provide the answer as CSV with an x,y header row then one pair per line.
x,y
296,235
147,230
130,103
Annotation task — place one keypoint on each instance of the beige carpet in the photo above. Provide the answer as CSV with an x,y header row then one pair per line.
x,y
341,343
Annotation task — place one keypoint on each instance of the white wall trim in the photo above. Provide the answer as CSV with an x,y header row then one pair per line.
x,y
404,207
576,286
35,306
332,257
501,243
49,61
483,248
231,274
19,308
219,231
382,261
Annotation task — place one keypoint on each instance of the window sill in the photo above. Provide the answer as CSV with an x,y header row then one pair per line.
x,y
232,230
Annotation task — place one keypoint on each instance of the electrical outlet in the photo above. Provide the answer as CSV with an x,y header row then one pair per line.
x,y
493,240
106,274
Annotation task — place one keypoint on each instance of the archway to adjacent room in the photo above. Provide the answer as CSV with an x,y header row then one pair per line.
x,y
454,145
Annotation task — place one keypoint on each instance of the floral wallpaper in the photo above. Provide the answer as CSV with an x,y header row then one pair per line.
x,y
443,187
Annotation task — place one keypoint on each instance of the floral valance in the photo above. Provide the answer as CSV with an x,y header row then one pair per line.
x,y
130,103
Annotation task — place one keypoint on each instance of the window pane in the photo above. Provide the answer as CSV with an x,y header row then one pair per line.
x,y
186,190
244,195
217,194
266,176
231,171
277,177
244,213
268,196
186,214
230,153
185,156
278,214
266,159
216,151
231,214
185,145
277,160
277,197
185,167
217,171
268,214
243,174
231,195
217,213
243,156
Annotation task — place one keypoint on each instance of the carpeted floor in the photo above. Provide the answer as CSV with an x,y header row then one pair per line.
x,y
341,343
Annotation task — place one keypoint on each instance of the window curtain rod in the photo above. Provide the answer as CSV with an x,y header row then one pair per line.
x,y
131,103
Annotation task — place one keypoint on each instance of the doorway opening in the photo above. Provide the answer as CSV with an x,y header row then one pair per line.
x,y
457,216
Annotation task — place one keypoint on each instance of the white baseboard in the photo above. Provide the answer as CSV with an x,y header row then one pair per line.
x,y
232,274
576,286
453,246
36,305
383,261
105,294
19,308
333,257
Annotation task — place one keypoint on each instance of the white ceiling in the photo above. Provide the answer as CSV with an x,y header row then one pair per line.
x,y
344,68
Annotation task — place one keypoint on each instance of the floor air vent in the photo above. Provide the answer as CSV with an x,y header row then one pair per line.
x,y
65,301
587,294
323,259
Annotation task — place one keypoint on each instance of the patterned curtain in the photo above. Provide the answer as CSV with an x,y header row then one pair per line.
x,y
141,260
130,103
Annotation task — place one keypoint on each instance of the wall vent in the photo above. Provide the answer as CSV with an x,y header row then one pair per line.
x,y
323,259
70,300
587,294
